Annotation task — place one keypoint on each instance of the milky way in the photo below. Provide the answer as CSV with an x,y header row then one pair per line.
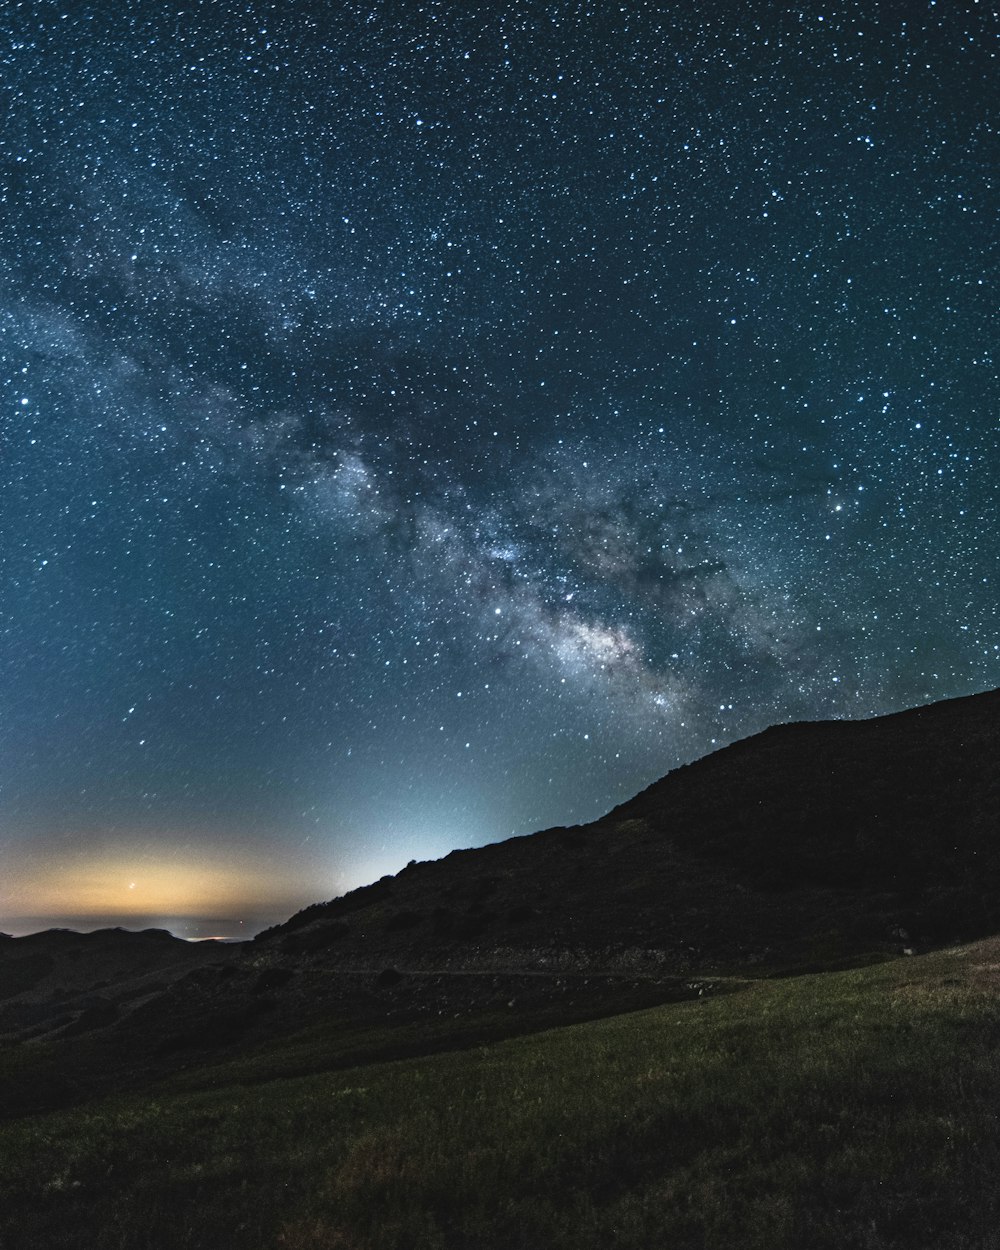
x,y
423,423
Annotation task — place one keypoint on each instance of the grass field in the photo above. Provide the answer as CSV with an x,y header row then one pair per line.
x,y
851,1109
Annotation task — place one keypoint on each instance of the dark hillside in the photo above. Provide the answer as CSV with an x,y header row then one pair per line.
x,y
808,843
806,847
61,961
60,979
902,802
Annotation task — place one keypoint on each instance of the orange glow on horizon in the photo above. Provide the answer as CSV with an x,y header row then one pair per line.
x,y
144,883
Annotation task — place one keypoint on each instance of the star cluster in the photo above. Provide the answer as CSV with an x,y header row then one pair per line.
x,y
425,422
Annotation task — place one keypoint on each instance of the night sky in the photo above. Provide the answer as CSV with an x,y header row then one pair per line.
x,y
422,423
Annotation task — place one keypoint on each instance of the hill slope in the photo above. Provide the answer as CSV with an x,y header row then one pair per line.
x,y
806,843
843,1109
807,846
61,973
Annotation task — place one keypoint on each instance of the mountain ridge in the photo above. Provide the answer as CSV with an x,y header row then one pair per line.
x,y
807,847
901,806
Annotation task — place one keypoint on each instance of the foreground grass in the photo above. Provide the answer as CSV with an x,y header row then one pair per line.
x,y
846,1109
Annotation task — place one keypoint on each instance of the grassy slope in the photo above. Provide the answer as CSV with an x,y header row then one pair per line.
x,y
844,1109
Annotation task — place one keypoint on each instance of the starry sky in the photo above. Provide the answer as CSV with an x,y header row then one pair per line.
x,y
426,422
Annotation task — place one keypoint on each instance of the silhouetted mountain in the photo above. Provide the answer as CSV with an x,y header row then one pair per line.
x,y
808,843
60,979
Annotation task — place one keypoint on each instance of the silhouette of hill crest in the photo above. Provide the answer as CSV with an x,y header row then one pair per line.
x,y
807,846
812,841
